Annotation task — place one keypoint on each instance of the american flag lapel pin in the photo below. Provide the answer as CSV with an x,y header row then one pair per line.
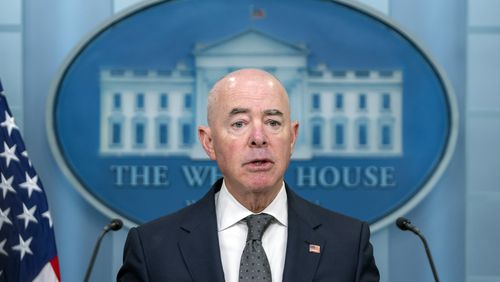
x,y
314,249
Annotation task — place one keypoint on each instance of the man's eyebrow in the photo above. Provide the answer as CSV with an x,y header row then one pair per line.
x,y
273,112
236,111
270,112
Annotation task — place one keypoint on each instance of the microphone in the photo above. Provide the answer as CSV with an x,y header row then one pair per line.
x,y
405,224
115,224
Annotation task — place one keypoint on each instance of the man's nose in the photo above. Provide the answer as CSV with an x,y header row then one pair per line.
x,y
258,137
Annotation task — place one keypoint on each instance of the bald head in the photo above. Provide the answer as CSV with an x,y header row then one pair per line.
x,y
240,81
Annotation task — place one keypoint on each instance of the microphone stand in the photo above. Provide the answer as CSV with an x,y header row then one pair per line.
x,y
114,225
429,256
405,224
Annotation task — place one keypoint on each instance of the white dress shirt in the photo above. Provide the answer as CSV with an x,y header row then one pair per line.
x,y
232,233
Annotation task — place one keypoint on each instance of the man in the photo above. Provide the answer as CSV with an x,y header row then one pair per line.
x,y
251,226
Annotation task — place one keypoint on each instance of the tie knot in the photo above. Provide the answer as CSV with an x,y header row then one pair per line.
x,y
257,224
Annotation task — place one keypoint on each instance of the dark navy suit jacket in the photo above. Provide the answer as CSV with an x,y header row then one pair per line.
x,y
184,246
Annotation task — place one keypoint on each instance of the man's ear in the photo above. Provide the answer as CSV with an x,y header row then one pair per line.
x,y
205,136
295,132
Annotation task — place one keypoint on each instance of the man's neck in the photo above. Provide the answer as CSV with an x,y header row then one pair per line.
x,y
255,202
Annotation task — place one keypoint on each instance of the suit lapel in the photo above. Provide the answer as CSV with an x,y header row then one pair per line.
x,y
200,244
304,245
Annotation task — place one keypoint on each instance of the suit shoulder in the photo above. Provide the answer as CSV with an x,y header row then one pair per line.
x,y
170,222
187,218
327,217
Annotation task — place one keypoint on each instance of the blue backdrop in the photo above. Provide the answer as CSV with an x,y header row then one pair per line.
x,y
51,29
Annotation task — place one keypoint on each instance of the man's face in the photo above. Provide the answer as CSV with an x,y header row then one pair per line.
x,y
250,134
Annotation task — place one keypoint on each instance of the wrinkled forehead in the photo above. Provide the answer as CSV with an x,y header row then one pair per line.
x,y
257,96
247,88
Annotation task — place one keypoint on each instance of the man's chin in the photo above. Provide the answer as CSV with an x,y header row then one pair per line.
x,y
263,185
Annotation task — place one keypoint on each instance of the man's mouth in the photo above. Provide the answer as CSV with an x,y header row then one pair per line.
x,y
259,164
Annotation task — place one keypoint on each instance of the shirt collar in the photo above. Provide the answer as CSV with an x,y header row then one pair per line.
x,y
229,211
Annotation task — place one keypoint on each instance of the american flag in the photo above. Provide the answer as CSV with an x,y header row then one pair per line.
x,y
256,13
314,249
27,246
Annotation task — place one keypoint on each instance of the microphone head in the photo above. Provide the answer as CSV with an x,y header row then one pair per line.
x,y
403,223
116,224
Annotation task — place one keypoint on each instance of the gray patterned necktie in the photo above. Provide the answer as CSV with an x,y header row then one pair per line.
x,y
254,265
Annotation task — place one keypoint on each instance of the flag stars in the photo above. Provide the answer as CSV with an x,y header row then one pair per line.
x,y
31,184
4,217
9,123
25,154
22,204
23,247
49,217
28,215
6,185
2,248
9,153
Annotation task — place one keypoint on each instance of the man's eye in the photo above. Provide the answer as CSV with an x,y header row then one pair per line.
x,y
238,124
274,123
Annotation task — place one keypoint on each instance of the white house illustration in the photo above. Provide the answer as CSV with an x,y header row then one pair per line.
x,y
353,113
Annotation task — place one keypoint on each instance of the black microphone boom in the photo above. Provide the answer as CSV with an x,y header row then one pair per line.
x,y
115,224
405,224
